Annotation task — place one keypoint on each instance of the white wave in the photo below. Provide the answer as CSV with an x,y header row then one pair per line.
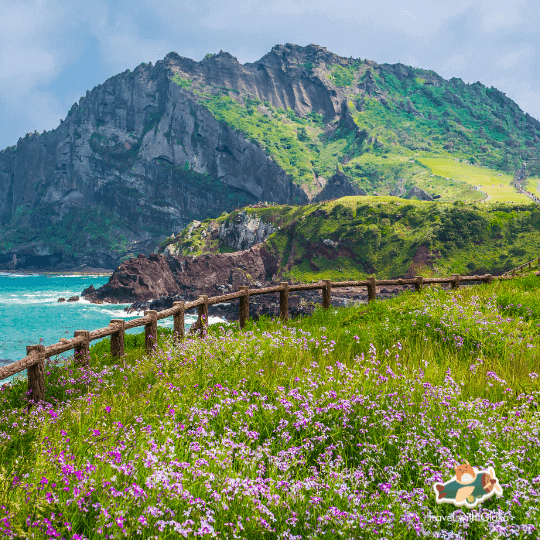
x,y
78,276
7,274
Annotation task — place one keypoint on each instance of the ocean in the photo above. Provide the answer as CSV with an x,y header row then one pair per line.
x,y
30,311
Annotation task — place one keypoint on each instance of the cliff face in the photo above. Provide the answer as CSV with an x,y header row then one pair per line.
x,y
147,278
139,157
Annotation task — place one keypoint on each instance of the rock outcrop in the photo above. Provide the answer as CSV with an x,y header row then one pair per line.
x,y
417,193
413,193
148,278
336,187
245,231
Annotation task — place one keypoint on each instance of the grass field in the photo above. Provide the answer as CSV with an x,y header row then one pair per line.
x,y
497,185
533,185
331,426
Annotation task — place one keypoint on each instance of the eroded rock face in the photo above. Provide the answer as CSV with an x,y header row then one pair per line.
x,y
140,152
337,186
148,278
245,231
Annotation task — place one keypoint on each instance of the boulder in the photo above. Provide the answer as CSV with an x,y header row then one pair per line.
x,y
417,193
61,299
73,299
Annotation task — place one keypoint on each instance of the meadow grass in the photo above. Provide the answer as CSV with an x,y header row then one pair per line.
x,y
496,184
330,426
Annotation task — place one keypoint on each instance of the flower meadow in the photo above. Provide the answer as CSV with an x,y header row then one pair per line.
x,y
330,426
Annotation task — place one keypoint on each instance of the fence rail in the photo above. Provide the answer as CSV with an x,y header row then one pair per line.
x,y
80,343
530,264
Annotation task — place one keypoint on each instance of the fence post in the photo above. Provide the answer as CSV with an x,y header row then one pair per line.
x,y
243,314
284,301
327,293
36,376
82,351
150,331
371,289
179,320
455,281
418,286
488,278
117,338
203,313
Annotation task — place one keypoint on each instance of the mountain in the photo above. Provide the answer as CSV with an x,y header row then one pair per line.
x,y
148,151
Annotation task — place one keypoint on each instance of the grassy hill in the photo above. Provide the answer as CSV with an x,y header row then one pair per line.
x,y
353,237
497,185
333,426
391,114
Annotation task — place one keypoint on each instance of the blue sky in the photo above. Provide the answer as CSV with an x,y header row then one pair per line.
x,y
52,51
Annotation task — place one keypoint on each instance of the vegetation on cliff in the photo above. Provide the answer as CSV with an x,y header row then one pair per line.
x,y
332,426
389,114
353,237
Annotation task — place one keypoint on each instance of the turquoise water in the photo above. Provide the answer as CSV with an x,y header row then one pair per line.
x,y
29,311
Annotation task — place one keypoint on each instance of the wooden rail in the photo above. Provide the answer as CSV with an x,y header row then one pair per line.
x,y
529,265
36,354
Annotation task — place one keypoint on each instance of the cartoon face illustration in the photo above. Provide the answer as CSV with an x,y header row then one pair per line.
x,y
469,487
465,473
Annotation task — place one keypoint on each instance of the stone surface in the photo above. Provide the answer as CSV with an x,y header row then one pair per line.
x,y
417,193
337,186
148,278
245,231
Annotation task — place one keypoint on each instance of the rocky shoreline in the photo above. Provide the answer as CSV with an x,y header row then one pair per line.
x,y
155,282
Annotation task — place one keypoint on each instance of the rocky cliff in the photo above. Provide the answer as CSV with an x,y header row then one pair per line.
x,y
139,156
147,278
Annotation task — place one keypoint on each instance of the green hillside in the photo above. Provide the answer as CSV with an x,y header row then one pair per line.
x,y
353,237
391,115
496,185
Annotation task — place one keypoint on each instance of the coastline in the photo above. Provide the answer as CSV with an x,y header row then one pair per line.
x,y
48,271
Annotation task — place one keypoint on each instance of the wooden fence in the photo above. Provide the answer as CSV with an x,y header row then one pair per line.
x,y
34,361
529,265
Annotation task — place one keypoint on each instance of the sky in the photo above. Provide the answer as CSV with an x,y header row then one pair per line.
x,y
52,52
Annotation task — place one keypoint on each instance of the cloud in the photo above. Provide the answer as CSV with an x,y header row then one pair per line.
x,y
511,60
51,51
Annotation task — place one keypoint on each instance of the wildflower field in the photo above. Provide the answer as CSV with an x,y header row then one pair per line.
x,y
332,426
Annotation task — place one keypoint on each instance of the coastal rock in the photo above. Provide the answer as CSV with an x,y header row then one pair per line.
x,y
147,278
337,186
61,299
89,291
73,299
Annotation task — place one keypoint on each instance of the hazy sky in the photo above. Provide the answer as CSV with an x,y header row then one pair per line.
x,y
51,51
